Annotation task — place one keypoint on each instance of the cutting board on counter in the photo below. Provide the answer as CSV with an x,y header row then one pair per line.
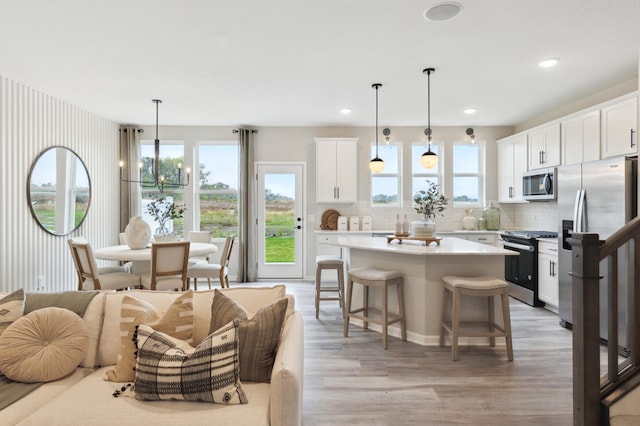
x,y
329,220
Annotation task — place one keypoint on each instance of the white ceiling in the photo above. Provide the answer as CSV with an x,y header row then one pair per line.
x,y
297,62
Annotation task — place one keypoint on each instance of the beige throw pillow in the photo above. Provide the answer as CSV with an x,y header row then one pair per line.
x,y
11,308
176,322
259,336
43,346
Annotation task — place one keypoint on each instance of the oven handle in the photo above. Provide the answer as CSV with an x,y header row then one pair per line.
x,y
518,246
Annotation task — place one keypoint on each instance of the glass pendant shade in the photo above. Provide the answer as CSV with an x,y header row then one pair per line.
x,y
376,165
429,160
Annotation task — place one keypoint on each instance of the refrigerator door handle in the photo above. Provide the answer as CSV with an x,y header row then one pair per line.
x,y
582,212
576,228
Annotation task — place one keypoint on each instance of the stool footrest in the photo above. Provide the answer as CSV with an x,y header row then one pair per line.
x,y
479,333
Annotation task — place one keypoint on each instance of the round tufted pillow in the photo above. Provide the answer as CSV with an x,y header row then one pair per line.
x,y
43,346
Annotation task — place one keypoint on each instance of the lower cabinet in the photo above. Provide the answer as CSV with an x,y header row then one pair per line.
x,y
548,274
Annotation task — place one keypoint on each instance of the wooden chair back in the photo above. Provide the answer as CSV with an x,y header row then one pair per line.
x,y
84,261
170,260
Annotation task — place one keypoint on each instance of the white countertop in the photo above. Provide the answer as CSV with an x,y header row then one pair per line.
x,y
448,246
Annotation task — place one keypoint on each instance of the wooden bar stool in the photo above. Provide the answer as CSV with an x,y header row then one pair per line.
x,y
329,262
368,277
489,287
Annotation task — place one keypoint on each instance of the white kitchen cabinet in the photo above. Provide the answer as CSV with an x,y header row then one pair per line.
x,y
548,274
512,163
580,140
619,125
336,170
544,146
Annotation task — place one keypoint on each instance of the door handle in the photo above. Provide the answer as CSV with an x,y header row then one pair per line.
x,y
632,142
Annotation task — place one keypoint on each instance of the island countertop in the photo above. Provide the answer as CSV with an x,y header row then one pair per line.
x,y
449,246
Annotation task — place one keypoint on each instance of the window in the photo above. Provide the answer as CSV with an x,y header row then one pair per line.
x,y
467,175
171,154
420,175
385,186
217,188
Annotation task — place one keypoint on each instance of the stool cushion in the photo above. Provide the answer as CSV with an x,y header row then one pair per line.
x,y
329,260
476,283
374,274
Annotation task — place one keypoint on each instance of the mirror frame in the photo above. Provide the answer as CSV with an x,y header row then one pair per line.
x,y
30,201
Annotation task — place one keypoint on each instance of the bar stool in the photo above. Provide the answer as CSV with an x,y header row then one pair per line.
x,y
368,277
329,262
489,287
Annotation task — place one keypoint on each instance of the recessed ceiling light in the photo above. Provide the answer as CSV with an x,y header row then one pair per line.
x,y
345,111
547,63
470,111
443,11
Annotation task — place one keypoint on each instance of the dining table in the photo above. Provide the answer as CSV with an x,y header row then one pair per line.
x,y
141,258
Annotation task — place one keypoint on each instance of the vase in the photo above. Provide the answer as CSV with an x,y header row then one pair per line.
x,y
137,233
424,228
468,221
161,230
491,215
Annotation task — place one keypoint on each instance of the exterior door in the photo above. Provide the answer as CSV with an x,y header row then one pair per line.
x,y
279,220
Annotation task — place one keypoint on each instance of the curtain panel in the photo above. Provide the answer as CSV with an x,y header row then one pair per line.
x,y
129,192
246,232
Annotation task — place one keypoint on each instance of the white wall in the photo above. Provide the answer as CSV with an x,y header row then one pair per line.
x,y
30,122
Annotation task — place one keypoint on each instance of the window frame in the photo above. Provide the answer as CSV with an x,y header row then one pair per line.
x,y
480,175
397,175
427,174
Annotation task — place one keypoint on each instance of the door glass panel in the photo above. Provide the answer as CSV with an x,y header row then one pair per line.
x,y
279,217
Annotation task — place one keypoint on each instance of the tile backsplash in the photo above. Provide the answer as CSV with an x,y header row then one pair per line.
x,y
530,216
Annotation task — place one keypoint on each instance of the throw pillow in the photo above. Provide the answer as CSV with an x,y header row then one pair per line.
x,y
11,308
259,336
43,346
168,368
177,322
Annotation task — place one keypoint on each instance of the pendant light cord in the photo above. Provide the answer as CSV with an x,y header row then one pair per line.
x,y
377,121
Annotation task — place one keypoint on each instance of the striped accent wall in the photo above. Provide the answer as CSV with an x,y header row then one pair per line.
x,y
31,121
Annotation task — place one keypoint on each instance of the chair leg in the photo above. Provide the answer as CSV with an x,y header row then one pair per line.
x,y
347,306
506,319
455,324
492,321
445,309
318,278
341,289
403,321
385,316
365,304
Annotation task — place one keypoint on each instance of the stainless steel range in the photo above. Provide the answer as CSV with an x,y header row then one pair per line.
x,y
522,271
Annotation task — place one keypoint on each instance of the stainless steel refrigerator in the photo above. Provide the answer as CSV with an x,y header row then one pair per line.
x,y
597,197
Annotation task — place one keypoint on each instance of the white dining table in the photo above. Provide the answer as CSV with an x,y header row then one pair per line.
x,y
141,258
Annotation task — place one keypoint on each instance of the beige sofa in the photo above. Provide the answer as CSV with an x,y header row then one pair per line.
x,y
84,397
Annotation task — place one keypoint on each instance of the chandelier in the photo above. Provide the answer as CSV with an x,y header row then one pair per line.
x,y
157,180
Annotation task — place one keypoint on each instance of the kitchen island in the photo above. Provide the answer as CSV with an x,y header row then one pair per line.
x,y
423,266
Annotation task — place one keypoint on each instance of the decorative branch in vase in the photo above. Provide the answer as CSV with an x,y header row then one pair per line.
x,y
164,210
428,203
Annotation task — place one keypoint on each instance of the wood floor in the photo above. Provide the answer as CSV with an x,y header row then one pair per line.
x,y
353,381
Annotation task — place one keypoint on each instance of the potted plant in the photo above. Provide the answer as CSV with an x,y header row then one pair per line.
x,y
428,203
163,210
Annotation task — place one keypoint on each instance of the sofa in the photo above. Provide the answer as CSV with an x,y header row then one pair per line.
x,y
85,396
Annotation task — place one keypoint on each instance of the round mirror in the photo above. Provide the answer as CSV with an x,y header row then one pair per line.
x,y
59,190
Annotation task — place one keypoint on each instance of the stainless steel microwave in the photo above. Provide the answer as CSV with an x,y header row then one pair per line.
x,y
539,184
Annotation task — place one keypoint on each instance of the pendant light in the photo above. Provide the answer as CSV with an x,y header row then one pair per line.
x,y
157,180
429,159
377,164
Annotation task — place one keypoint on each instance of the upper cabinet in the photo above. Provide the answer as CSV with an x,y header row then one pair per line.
x,y
619,125
544,146
512,163
581,138
336,170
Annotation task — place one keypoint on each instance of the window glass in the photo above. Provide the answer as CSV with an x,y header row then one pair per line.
x,y
385,186
420,175
217,188
467,177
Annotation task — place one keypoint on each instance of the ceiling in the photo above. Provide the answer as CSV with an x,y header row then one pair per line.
x,y
298,62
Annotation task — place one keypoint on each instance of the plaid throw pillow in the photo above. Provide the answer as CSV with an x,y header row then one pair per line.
x,y
11,308
168,368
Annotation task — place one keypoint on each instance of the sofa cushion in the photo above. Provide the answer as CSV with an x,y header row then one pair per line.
x,y
259,335
169,368
250,298
176,322
44,345
11,308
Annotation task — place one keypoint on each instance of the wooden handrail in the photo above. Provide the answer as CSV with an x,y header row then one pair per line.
x,y
589,390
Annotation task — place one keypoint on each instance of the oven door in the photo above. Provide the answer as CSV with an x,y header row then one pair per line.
x,y
520,272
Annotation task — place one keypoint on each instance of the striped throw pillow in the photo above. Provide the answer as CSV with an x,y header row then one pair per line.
x,y
176,322
168,368
11,308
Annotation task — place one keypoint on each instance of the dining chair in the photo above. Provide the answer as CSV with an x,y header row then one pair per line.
x,y
90,277
200,237
213,270
169,262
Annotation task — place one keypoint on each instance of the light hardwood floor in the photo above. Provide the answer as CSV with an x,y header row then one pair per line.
x,y
353,381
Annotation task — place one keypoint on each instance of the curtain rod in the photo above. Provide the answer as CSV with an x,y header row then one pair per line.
x,y
254,131
137,130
